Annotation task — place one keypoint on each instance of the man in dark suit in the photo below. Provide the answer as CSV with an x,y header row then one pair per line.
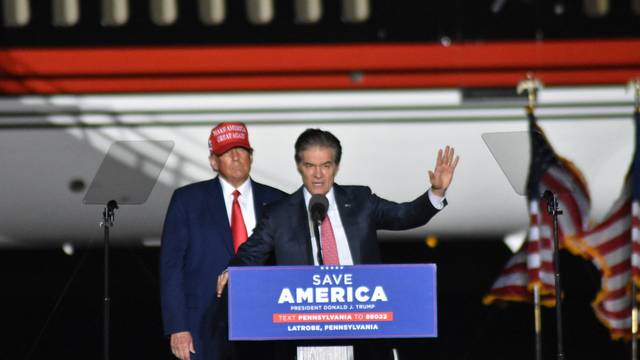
x,y
205,224
348,231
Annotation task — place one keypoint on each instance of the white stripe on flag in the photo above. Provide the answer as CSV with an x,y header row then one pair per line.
x,y
616,229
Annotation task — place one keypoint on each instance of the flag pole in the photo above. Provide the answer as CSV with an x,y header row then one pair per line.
x,y
552,208
531,86
635,85
634,321
537,320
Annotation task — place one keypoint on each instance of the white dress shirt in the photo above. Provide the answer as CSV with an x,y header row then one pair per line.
x,y
436,201
245,199
344,253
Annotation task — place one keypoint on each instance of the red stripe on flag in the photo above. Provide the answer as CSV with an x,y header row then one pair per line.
x,y
613,244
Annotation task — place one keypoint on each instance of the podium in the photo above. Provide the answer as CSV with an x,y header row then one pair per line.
x,y
332,302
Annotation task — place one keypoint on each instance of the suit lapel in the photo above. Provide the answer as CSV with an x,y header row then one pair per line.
x,y
258,200
300,224
348,217
218,212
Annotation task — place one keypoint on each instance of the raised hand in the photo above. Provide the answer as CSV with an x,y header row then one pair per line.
x,y
442,175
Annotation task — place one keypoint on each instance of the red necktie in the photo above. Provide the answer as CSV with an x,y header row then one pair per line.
x,y
328,240
238,229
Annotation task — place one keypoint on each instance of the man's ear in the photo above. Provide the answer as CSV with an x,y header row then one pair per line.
x,y
213,161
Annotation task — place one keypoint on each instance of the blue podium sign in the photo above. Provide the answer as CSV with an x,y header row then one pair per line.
x,y
332,302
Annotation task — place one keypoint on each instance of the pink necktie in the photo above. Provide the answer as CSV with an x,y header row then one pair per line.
x,y
328,240
238,229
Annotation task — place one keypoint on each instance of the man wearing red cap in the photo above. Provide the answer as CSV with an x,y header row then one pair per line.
x,y
205,224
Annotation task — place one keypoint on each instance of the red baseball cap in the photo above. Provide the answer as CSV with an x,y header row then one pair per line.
x,y
228,135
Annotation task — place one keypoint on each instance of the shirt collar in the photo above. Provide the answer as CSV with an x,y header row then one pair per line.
x,y
330,196
228,189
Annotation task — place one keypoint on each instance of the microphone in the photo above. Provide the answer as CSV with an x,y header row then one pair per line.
x,y
552,203
548,195
112,205
318,206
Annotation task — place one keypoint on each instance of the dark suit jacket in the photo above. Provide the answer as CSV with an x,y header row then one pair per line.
x,y
285,227
196,247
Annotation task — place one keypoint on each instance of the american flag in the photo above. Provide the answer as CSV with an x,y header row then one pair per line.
x,y
614,247
533,264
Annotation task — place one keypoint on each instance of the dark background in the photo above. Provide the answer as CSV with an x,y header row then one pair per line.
x,y
51,306
390,21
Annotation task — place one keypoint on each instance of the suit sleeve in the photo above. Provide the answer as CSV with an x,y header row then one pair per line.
x,y
258,247
174,245
390,215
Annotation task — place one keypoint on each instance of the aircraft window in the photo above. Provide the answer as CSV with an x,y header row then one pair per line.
x,y
66,12
115,12
212,12
16,12
355,11
164,12
308,11
595,8
260,12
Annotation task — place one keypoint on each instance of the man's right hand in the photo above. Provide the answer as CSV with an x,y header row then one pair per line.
x,y
223,278
182,345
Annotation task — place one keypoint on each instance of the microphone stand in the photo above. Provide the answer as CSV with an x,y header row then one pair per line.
x,y
316,232
552,209
108,218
